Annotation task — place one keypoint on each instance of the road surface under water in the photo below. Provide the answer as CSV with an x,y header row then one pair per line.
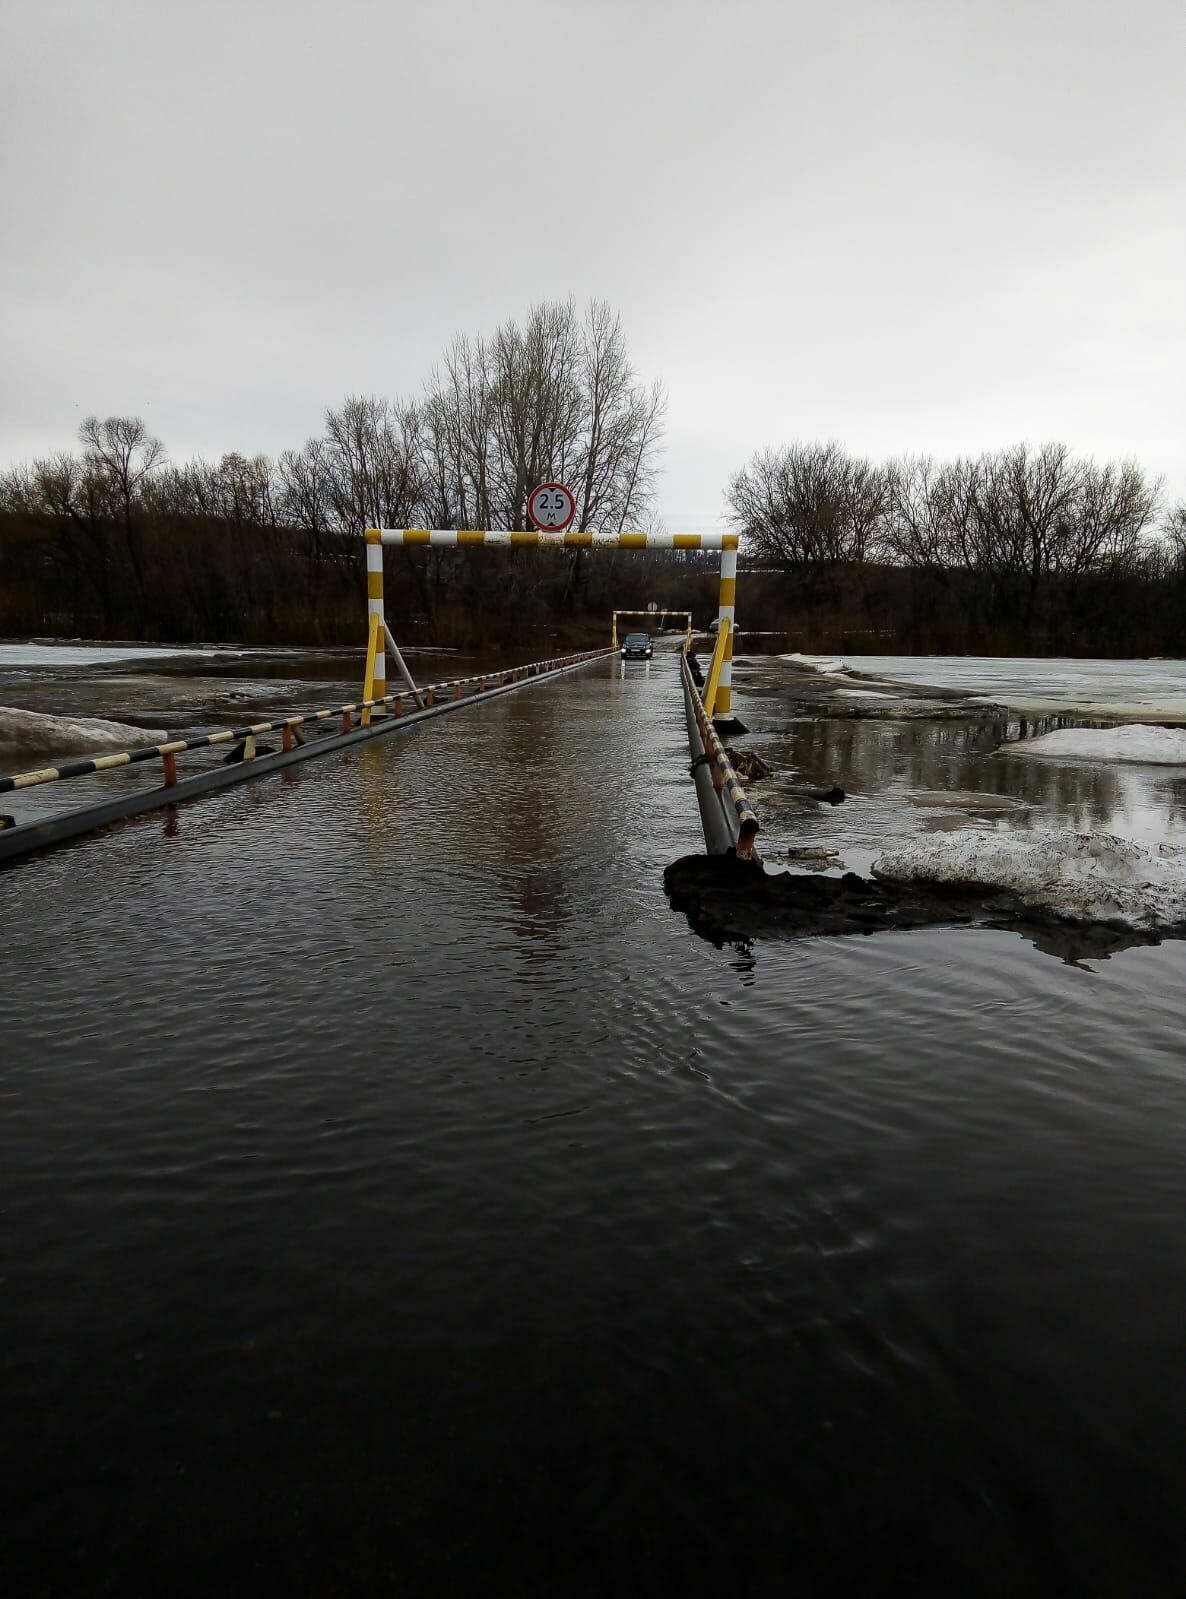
x,y
399,1197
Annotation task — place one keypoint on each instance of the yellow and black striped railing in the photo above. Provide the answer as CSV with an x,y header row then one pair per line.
x,y
289,726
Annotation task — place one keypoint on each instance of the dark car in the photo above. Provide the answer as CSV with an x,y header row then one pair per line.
x,y
637,647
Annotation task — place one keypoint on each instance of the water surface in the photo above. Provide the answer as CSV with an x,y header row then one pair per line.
x,y
398,1196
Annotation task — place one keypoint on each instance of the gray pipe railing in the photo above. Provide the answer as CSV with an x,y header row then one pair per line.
x,y
726,814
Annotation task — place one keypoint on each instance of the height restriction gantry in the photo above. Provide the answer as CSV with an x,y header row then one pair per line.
x,y
547,539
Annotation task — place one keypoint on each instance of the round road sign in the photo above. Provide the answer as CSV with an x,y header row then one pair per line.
x,y
551,507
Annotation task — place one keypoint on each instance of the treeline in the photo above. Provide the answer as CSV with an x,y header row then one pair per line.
x,y
1022,551
114,540
1025,551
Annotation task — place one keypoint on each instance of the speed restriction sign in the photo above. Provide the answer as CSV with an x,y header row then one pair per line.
x,y
551,507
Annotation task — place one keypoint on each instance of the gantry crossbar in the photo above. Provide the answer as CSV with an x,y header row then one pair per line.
x,y
662,614
493,538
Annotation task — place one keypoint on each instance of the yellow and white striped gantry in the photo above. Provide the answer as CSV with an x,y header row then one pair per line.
x,y
472,538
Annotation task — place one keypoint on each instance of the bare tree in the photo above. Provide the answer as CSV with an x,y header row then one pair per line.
x,y
622,425
1174,530
553,400
811,508
121,450
537,407
372,474
456,437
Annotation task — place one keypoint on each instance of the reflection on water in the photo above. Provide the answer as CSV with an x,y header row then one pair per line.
x,y
398,1196
883,764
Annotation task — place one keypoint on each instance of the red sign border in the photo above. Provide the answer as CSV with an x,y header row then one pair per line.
x,y
560,527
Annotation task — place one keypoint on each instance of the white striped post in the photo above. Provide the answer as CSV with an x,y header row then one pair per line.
x,y
375,607
728,609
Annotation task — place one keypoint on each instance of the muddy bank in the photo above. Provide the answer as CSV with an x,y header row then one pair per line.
x,y
731,901
158,692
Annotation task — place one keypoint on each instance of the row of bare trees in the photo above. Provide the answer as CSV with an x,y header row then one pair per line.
x,y
115,538
1021,548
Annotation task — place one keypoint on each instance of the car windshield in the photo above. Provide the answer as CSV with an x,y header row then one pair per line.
x,y
638,638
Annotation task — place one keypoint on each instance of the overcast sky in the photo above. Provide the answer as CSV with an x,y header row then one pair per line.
x,y
914,226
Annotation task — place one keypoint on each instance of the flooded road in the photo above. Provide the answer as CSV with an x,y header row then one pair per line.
x,y
399,1196
916,775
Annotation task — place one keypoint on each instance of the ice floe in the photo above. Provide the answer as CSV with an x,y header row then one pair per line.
x,y
1080,877
1138,743
25,733
828,665
955,799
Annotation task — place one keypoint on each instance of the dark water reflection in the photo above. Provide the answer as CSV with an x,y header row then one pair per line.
x,y
398,1197
895,773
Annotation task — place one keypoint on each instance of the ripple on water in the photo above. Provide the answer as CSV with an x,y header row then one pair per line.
x,y
381,1139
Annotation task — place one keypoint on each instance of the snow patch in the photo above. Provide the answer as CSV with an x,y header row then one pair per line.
x,y
966,800
828,665
1139,743
32,733
1081,877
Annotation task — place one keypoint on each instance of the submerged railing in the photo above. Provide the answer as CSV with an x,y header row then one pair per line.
x,y
726,814
290,727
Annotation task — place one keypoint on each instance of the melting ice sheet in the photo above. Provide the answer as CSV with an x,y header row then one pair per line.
x,y
1151,746
816,663
98,654
26,733
1082,877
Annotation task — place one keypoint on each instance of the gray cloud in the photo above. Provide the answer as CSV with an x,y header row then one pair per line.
x,y
910,227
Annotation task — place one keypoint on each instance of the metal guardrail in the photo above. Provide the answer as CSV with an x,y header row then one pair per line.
x,y
26,838
726,814
288,726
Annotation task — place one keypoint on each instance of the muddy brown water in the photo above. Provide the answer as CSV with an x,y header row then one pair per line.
x,y
398,1197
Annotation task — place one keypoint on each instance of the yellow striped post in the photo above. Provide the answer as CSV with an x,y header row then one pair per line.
x,y
368,682
375,611
728,613
718,661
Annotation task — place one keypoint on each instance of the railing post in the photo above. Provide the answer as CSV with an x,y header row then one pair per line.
x,y
169,762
